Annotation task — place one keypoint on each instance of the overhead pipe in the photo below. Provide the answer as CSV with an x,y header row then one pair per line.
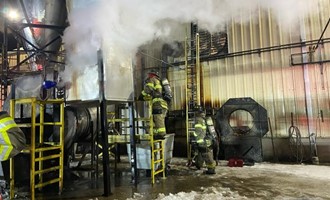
x,y
319,41
311,51
255,51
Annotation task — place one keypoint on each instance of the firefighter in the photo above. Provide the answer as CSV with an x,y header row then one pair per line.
x,y
12,139
153,91
203,143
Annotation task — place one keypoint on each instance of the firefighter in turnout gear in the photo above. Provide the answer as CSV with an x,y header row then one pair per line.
x,y
153,91
12,139
203,143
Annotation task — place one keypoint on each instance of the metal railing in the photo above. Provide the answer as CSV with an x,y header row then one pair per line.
x,y
41,151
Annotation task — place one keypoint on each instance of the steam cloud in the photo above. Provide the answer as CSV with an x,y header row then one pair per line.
x,y
127,24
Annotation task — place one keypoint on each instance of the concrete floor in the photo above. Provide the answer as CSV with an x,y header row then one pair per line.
x,y
261,181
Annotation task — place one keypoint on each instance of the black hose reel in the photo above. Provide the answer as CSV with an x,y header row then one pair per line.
x,y
241,141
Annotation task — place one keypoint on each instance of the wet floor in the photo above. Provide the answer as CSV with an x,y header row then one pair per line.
x,y
248,182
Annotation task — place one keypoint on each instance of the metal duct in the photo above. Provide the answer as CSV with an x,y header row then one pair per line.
x,y
84,85
80,121
43,36
80,125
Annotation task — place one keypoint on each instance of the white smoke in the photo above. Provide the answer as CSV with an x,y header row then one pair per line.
x,y
127,24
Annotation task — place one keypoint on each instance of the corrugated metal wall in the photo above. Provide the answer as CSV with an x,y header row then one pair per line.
x,y
300,91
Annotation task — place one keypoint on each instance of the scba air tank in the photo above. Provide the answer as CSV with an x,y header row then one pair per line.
x,y
167,92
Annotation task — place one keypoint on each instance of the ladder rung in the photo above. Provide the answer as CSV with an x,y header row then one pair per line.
x,y
157,150
47,170
47,183
47,157
49,124
158,161
47,148
158,171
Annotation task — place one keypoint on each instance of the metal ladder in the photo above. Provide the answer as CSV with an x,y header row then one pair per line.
x,y
157,158
192,66
157,152
3,93
40,150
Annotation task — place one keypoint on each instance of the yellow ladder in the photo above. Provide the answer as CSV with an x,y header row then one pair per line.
x,y
38,147
193,74
156,150
157,158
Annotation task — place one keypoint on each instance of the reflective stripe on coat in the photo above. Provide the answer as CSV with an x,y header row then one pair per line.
x,y
12,139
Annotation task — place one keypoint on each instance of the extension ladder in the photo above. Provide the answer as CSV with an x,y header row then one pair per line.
x,y
192,66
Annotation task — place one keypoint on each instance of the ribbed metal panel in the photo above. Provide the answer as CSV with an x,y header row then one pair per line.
x,y
297,95
269,78
178,85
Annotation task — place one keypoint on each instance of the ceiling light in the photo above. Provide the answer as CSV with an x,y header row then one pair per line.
x,y
12,15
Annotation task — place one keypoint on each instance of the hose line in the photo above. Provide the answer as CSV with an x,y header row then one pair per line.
x,y
296,146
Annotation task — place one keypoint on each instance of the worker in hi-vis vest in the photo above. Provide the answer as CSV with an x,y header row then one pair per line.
x,y
12,138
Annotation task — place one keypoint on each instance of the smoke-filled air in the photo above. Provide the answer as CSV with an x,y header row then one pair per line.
x,y
127,24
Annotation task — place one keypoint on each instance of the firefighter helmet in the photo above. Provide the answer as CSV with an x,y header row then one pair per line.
x,y
154,72
199,109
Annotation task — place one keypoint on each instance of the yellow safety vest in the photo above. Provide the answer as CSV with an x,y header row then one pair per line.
x,y
12,139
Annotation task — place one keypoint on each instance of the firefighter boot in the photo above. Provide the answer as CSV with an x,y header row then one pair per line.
x,y
159,136
210,171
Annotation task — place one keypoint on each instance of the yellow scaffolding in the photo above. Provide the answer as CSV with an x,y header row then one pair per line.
x,y
156,146
38,147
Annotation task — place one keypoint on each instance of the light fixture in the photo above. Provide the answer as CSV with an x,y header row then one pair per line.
x,y
12,15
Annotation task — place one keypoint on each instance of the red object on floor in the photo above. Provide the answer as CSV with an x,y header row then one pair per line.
x,y
235,162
